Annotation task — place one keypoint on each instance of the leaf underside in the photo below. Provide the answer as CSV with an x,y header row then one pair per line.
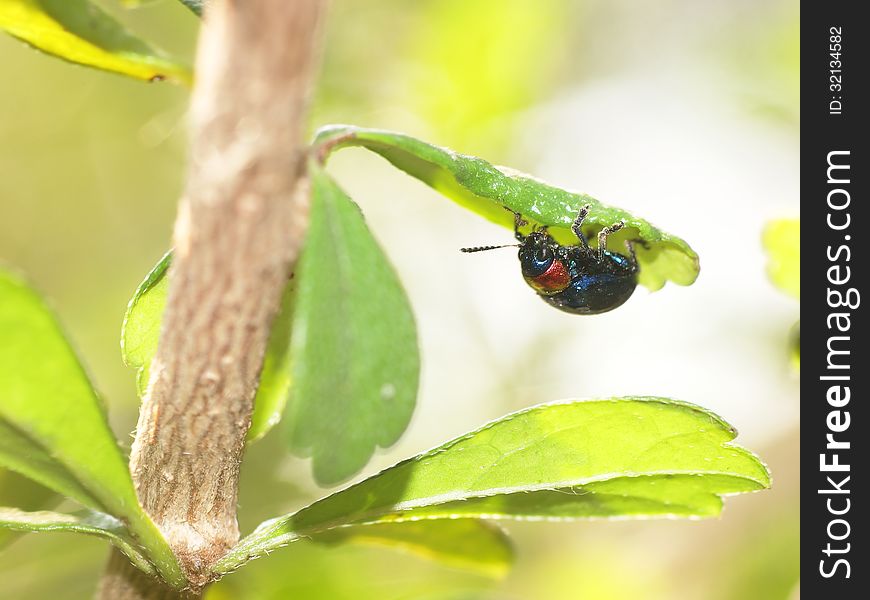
x,y
87,522
487,190
469,544
79,31
634,457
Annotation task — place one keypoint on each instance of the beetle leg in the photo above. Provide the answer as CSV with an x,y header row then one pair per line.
x,y
576,226
519,221
602,237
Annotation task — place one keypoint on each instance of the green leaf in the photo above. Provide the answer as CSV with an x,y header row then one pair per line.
x,y
79,31
141,332
274,388
51,417
354,346
633,457
468,544
87,522
53,427
23,454
486,189
782,240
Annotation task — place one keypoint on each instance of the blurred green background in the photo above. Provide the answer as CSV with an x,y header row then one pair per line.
x,y
683,111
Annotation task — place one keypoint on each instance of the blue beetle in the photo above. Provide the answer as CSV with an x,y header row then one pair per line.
x,y
577,279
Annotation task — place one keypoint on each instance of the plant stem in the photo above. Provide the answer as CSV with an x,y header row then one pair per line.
x,y
122,580
237,236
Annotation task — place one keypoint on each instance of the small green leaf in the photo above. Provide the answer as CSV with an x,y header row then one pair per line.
x,y
274,388
487,190
622,457
354,346
81,32
141,332
87,522
53,427
782,240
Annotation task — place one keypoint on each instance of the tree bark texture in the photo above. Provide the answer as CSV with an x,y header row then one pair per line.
x,y
237,235
124,581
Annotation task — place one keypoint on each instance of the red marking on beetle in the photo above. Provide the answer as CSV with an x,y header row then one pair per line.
x,y
555,279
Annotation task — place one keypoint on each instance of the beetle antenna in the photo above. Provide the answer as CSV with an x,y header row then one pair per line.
x,y
482,248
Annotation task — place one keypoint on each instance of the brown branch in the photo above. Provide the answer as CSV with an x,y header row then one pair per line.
x,y
237,236
122,580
